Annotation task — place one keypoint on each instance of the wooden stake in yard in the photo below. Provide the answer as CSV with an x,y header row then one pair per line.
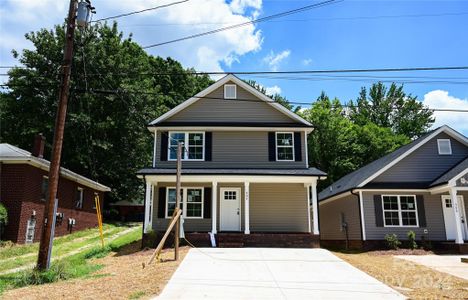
x,y
178,199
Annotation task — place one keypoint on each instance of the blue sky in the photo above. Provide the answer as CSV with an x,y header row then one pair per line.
x,y
345,35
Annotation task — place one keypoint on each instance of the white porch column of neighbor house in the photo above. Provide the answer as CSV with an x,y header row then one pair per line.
x,y
147,220
247,207
456,212
307,186
315,207
214,205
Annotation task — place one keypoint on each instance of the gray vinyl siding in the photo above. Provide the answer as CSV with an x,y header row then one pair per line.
x,y
434,218
465,181
236,149
273,208
330,219
230,110
278,207
425,164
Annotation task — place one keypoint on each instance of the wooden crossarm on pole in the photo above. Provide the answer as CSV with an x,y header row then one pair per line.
x,y
175,218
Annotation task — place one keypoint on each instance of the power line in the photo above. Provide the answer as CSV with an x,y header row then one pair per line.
x,y
263,19
309,19
139,11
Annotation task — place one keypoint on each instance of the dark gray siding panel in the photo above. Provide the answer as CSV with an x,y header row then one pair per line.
x,y
425,164
230,110
434,218
330,219
236,149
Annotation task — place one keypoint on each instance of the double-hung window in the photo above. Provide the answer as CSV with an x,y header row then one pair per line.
x,y
191,202
399,210
44,187
284,146
79,198
194,144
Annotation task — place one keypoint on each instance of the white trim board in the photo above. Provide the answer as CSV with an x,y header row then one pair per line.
x,y
220,83
229,128
454,134
232,178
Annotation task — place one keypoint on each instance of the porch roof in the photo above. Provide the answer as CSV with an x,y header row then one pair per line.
x,y
275,172
453,172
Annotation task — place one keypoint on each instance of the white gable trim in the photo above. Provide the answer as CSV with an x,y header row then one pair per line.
x,y
453,181
220,83
454,134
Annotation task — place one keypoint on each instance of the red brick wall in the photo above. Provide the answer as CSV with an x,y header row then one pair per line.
x,y
29,198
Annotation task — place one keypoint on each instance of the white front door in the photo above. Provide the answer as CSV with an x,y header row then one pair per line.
x,y
230,209
450,226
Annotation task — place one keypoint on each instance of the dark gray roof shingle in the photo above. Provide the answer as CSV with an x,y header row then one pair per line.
x,y
457,169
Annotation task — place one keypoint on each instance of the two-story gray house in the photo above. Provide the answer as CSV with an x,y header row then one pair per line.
x,y
422,186
245,174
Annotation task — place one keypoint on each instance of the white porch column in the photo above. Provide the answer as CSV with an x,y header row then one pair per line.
x,y
147,222
456,212
154,148
247,207
315,207
307,186
214,205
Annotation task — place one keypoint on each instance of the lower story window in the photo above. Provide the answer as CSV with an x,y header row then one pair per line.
x,y
399,210
191,202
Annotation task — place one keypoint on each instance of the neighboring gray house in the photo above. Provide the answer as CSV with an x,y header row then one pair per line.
x,y
244,171
421,186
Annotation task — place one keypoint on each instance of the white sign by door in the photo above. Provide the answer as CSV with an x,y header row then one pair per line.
x,y
230,209
449,217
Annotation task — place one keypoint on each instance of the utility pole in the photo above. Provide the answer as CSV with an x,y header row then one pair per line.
x,y
178,199
45,246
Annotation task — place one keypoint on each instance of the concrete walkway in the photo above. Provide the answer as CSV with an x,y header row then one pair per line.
x,y
271,273
450,264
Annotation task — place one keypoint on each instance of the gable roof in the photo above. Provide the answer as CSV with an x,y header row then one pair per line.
x,y
13,154
458,169
364,175
220,83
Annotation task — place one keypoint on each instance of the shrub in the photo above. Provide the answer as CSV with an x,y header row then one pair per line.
x,y
392,241
3,214
412,239
58,271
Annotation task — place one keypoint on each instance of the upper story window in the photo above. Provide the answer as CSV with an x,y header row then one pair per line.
x,y
230,91
79,198
284,146
44,187
194,145
399,210
444,146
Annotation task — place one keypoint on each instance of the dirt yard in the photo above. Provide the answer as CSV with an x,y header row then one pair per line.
x,y
411,279
122,277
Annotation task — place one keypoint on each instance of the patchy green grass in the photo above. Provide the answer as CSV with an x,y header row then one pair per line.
x,y
73,266
136,295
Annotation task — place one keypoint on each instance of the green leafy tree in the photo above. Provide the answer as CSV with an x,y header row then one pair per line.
x,y
112,100
391,107
3,215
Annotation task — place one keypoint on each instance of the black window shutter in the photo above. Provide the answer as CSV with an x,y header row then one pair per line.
x,y
271,146
162,203
164,145
421,210
378,211
207,203
208,145
297,146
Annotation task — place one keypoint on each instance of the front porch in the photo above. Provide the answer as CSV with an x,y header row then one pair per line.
x,y
238,210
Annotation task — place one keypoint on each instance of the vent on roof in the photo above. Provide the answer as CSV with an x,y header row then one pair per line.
x,y
230,91
444,146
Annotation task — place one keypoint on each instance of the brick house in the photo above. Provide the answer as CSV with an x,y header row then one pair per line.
x,y
23,191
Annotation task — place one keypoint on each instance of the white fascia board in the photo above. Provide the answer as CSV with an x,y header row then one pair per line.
x,y
218,84
454,179
444,128
336,197
44,165
232,178
229,128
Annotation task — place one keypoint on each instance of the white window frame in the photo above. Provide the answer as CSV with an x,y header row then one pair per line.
x,y
184,201
185,154
400,219
439,141
31,224
235,91
81,191
292,146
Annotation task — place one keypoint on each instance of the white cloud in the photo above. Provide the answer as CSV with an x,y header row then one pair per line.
x,y
306,61
442,99
274,60
206,53
272,90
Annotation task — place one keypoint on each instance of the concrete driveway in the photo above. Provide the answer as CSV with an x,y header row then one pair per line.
x,y
271,273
